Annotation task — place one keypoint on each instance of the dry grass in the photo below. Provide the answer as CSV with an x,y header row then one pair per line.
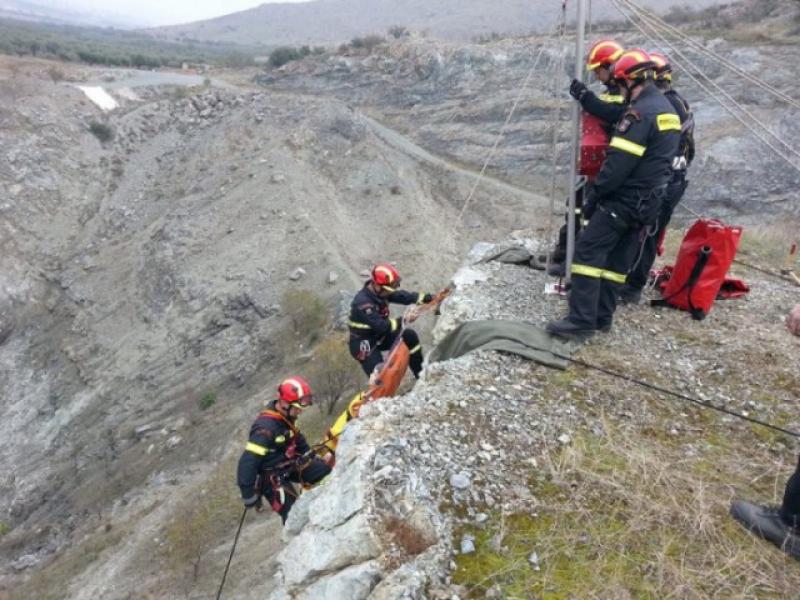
x,y
663,531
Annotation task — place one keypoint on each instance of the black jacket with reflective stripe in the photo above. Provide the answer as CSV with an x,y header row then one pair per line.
x,y
605,106
640,152
681,106
369,313
270,437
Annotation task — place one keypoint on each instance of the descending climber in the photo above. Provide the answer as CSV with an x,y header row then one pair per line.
x,y
625,200
372,329
609,107
275,454
631,293
777,524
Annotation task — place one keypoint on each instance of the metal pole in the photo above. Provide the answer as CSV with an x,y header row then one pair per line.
x,y
580,24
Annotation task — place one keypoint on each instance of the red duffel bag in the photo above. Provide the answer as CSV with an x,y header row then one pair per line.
x,y
706,254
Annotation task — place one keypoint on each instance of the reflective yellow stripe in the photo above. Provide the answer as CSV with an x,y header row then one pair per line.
x,y
626,146
416,348
612,98
280,439
420,296
668,122
589,271
393,323
615,277
356,325
256,449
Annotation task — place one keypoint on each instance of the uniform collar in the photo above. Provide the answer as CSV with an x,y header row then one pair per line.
x,y
648,90
372,294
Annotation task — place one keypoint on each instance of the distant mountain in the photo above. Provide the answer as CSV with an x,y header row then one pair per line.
x,y
59,13
334,21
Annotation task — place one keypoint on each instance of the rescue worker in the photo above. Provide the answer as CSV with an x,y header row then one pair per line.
x,y
625,199
275,456
777,524
609,107
631,293
373,329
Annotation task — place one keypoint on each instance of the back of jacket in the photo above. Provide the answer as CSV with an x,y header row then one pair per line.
x,y
641,151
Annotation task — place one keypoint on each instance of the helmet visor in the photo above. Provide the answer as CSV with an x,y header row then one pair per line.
x,y
304,402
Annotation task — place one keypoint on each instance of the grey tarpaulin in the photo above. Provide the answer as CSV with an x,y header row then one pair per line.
x,y
516,337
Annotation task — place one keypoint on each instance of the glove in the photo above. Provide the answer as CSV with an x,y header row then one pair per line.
x,y
577,89
793,320
589,205
427,298
254,501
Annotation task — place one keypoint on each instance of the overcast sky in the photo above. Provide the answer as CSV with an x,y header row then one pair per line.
x,y
161,12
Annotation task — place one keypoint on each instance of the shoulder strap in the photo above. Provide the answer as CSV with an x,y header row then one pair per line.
x,y
276,416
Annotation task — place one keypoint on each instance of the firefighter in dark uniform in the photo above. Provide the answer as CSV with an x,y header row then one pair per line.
x,y
625,200
275,456
373,329
609,107
631,293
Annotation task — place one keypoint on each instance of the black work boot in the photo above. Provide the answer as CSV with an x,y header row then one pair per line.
x,y
629,295
604,327
566,329
557,269
539,262
766,522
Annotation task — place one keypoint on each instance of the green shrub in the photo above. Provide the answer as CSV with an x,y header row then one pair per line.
x,y
368,42
55,74
307,313
101,131
333,373
283,55
398,31
4,528
207,400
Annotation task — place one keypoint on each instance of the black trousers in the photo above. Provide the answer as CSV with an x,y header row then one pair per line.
x,y
641,271
790,508
369,352
313,471
559,254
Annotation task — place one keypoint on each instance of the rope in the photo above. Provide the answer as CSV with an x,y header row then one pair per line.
x,y
703,87
555,120
500,135
230,558
675,394
644,13
655,27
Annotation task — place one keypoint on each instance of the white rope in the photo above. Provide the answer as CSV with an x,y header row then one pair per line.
x,y
556,118
703,87
644,13
721,90
500,135
655,30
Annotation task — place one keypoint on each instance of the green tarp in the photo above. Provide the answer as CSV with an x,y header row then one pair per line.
x,y
516,337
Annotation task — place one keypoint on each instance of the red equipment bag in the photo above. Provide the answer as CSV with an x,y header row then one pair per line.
x,y
706,253
594,142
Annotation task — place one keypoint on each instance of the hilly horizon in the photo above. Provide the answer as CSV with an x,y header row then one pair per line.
x,y
335,21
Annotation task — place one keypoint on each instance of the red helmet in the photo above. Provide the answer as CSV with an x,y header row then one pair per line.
x,y
295,390
386,277
603,54
663,66
634,65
